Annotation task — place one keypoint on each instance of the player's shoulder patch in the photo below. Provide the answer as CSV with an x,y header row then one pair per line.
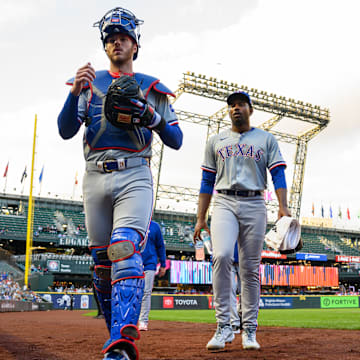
x,y
149,82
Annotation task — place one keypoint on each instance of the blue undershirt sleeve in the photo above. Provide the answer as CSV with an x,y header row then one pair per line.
x,y
278,177
207,182
160,247
68,123
171,136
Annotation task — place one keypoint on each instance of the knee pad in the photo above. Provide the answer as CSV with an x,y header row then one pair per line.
x,y
124,242
124,254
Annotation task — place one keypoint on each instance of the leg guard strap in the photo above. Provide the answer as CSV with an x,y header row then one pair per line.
x,y
129,268
102,281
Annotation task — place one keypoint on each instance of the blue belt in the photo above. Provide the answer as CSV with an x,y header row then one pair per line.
x,y
108,166
245,193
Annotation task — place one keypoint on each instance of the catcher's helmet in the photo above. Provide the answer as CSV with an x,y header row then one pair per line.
x,y
120,20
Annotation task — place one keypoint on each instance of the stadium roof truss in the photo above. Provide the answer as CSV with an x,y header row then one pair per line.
x,y
280,107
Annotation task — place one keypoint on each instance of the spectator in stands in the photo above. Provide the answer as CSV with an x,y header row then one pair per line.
x,y
3,230
154,250
4,275
11,290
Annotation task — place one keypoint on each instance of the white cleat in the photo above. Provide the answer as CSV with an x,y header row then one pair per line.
x,y
222,336
143,327
249,340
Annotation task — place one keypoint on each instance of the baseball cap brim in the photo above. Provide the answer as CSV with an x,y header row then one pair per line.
x,y
239,95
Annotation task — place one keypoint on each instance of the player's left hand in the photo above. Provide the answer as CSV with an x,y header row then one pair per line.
x,y
149,117
283,211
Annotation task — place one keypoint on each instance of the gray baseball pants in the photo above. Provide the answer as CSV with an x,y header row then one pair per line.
x,y
146,300
235,308
118,199
241,219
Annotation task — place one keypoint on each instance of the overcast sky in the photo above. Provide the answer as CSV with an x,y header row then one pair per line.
x,y
307,50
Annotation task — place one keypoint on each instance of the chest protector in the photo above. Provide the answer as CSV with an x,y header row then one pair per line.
x,y
100,134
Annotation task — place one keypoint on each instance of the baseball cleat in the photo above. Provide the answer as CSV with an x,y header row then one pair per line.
x,y
236,329
143,327
116,355
223,335
249,340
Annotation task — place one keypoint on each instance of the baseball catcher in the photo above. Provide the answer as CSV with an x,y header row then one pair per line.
x,y
120,110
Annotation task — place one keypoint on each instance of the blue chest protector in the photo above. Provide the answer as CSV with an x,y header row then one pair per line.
x,y
100,134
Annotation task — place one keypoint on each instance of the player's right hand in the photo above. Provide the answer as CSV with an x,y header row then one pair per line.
x,y
85,74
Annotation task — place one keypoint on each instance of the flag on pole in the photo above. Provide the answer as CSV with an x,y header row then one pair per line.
x,y
6,170
331,214
348,213
339,214
313,209
322,211
76,179
41,175
24,175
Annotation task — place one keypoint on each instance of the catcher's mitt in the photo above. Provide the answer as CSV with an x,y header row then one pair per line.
x,y
119,110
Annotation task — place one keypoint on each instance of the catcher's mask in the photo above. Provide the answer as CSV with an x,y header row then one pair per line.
x,y
120,20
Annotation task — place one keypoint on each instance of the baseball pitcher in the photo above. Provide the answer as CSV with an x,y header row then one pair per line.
x,y
235,164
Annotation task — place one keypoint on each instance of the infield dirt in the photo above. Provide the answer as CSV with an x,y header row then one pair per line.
x,y
68,335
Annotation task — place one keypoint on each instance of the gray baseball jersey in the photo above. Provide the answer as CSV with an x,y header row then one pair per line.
x,y
158,102
240,160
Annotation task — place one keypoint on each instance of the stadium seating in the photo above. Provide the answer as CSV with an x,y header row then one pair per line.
x,y
9,269
177,234
56,217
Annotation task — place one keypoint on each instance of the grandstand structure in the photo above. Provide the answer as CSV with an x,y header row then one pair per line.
x,y
61,223
59,232
282,110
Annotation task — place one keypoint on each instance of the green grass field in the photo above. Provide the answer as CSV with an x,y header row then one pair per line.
x,y
303,318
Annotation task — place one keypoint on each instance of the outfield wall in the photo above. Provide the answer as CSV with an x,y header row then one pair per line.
x,y
86,301
197,302
13,305
60,300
